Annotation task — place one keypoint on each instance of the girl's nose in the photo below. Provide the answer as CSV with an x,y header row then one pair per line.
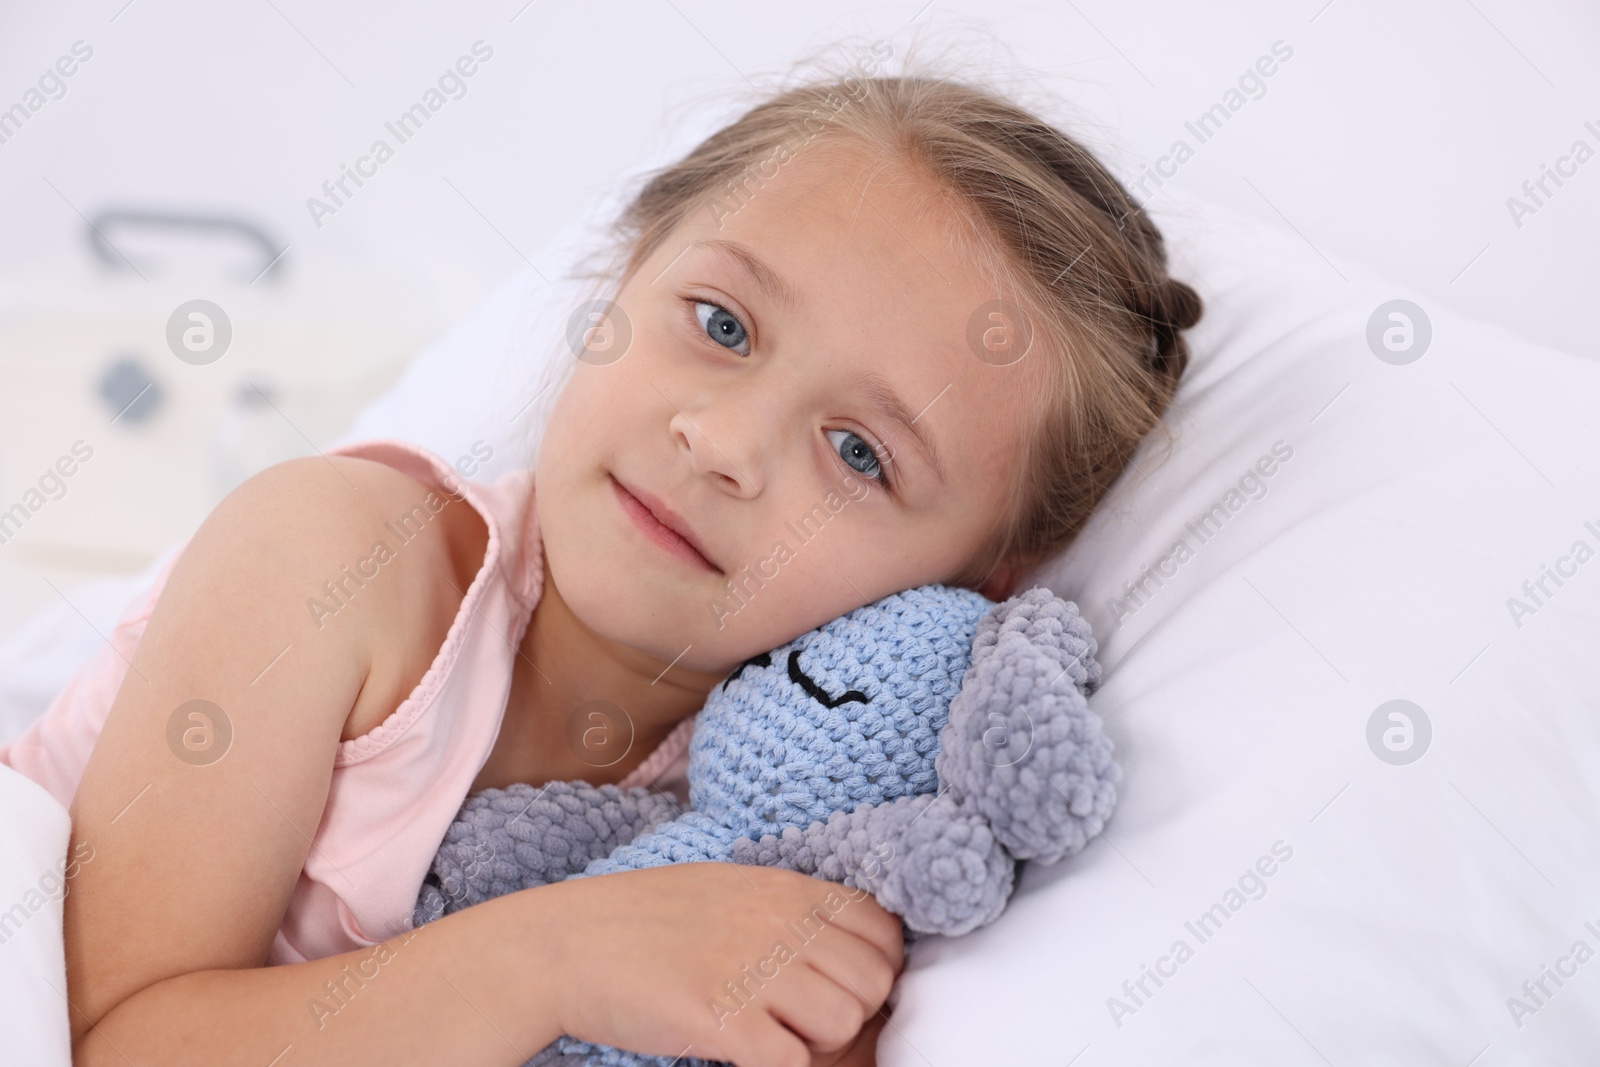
x,y
725,445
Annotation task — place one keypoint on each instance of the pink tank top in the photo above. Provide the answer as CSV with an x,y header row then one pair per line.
x,y
397,788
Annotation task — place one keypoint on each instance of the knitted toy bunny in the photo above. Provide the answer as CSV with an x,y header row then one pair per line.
x,y
915,748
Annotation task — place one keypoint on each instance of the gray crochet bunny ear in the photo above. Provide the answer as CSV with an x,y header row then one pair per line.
x,y
1022,747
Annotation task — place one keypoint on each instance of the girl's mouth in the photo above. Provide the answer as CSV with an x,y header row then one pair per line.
x,y
645,520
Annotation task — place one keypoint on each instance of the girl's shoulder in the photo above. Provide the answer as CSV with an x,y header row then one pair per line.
x,y
381,560
408,549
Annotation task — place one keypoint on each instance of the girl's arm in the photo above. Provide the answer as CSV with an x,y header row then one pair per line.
x,y
200,815
641,959
195,858
465,989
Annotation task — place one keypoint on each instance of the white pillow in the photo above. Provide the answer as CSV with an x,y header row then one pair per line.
x,y
1367,911
485,387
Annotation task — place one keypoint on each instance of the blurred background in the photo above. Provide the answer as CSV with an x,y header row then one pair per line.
x,y
159,153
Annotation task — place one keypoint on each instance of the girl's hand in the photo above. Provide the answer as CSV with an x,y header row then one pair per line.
x,y
759,966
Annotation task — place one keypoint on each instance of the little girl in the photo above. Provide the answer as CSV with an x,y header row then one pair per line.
x,y
874,334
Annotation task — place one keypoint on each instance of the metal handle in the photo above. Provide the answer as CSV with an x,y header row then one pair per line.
x,y
271,261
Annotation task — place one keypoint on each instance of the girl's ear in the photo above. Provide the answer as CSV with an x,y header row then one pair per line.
x,y
997,586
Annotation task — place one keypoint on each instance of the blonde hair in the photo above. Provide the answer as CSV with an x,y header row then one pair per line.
x,y
1048,223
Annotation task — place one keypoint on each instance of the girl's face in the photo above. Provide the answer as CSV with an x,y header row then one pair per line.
x,y
744,404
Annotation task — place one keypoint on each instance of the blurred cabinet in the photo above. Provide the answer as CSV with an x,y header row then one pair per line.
x,y
97,377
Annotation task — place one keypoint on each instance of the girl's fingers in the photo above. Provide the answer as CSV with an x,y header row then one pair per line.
x,y
853,964
824,1014
868,920
768,1043
863,1051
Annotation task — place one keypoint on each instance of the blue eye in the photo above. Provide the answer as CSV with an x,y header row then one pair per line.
x,y
722,327
859,455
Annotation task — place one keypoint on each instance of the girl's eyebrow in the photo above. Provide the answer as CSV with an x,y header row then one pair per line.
x,y
769,281
888,402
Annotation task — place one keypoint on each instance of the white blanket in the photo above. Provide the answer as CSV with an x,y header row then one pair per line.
x,y
33,884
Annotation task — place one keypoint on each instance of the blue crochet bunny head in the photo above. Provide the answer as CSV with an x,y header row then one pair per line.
x,y
844,714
